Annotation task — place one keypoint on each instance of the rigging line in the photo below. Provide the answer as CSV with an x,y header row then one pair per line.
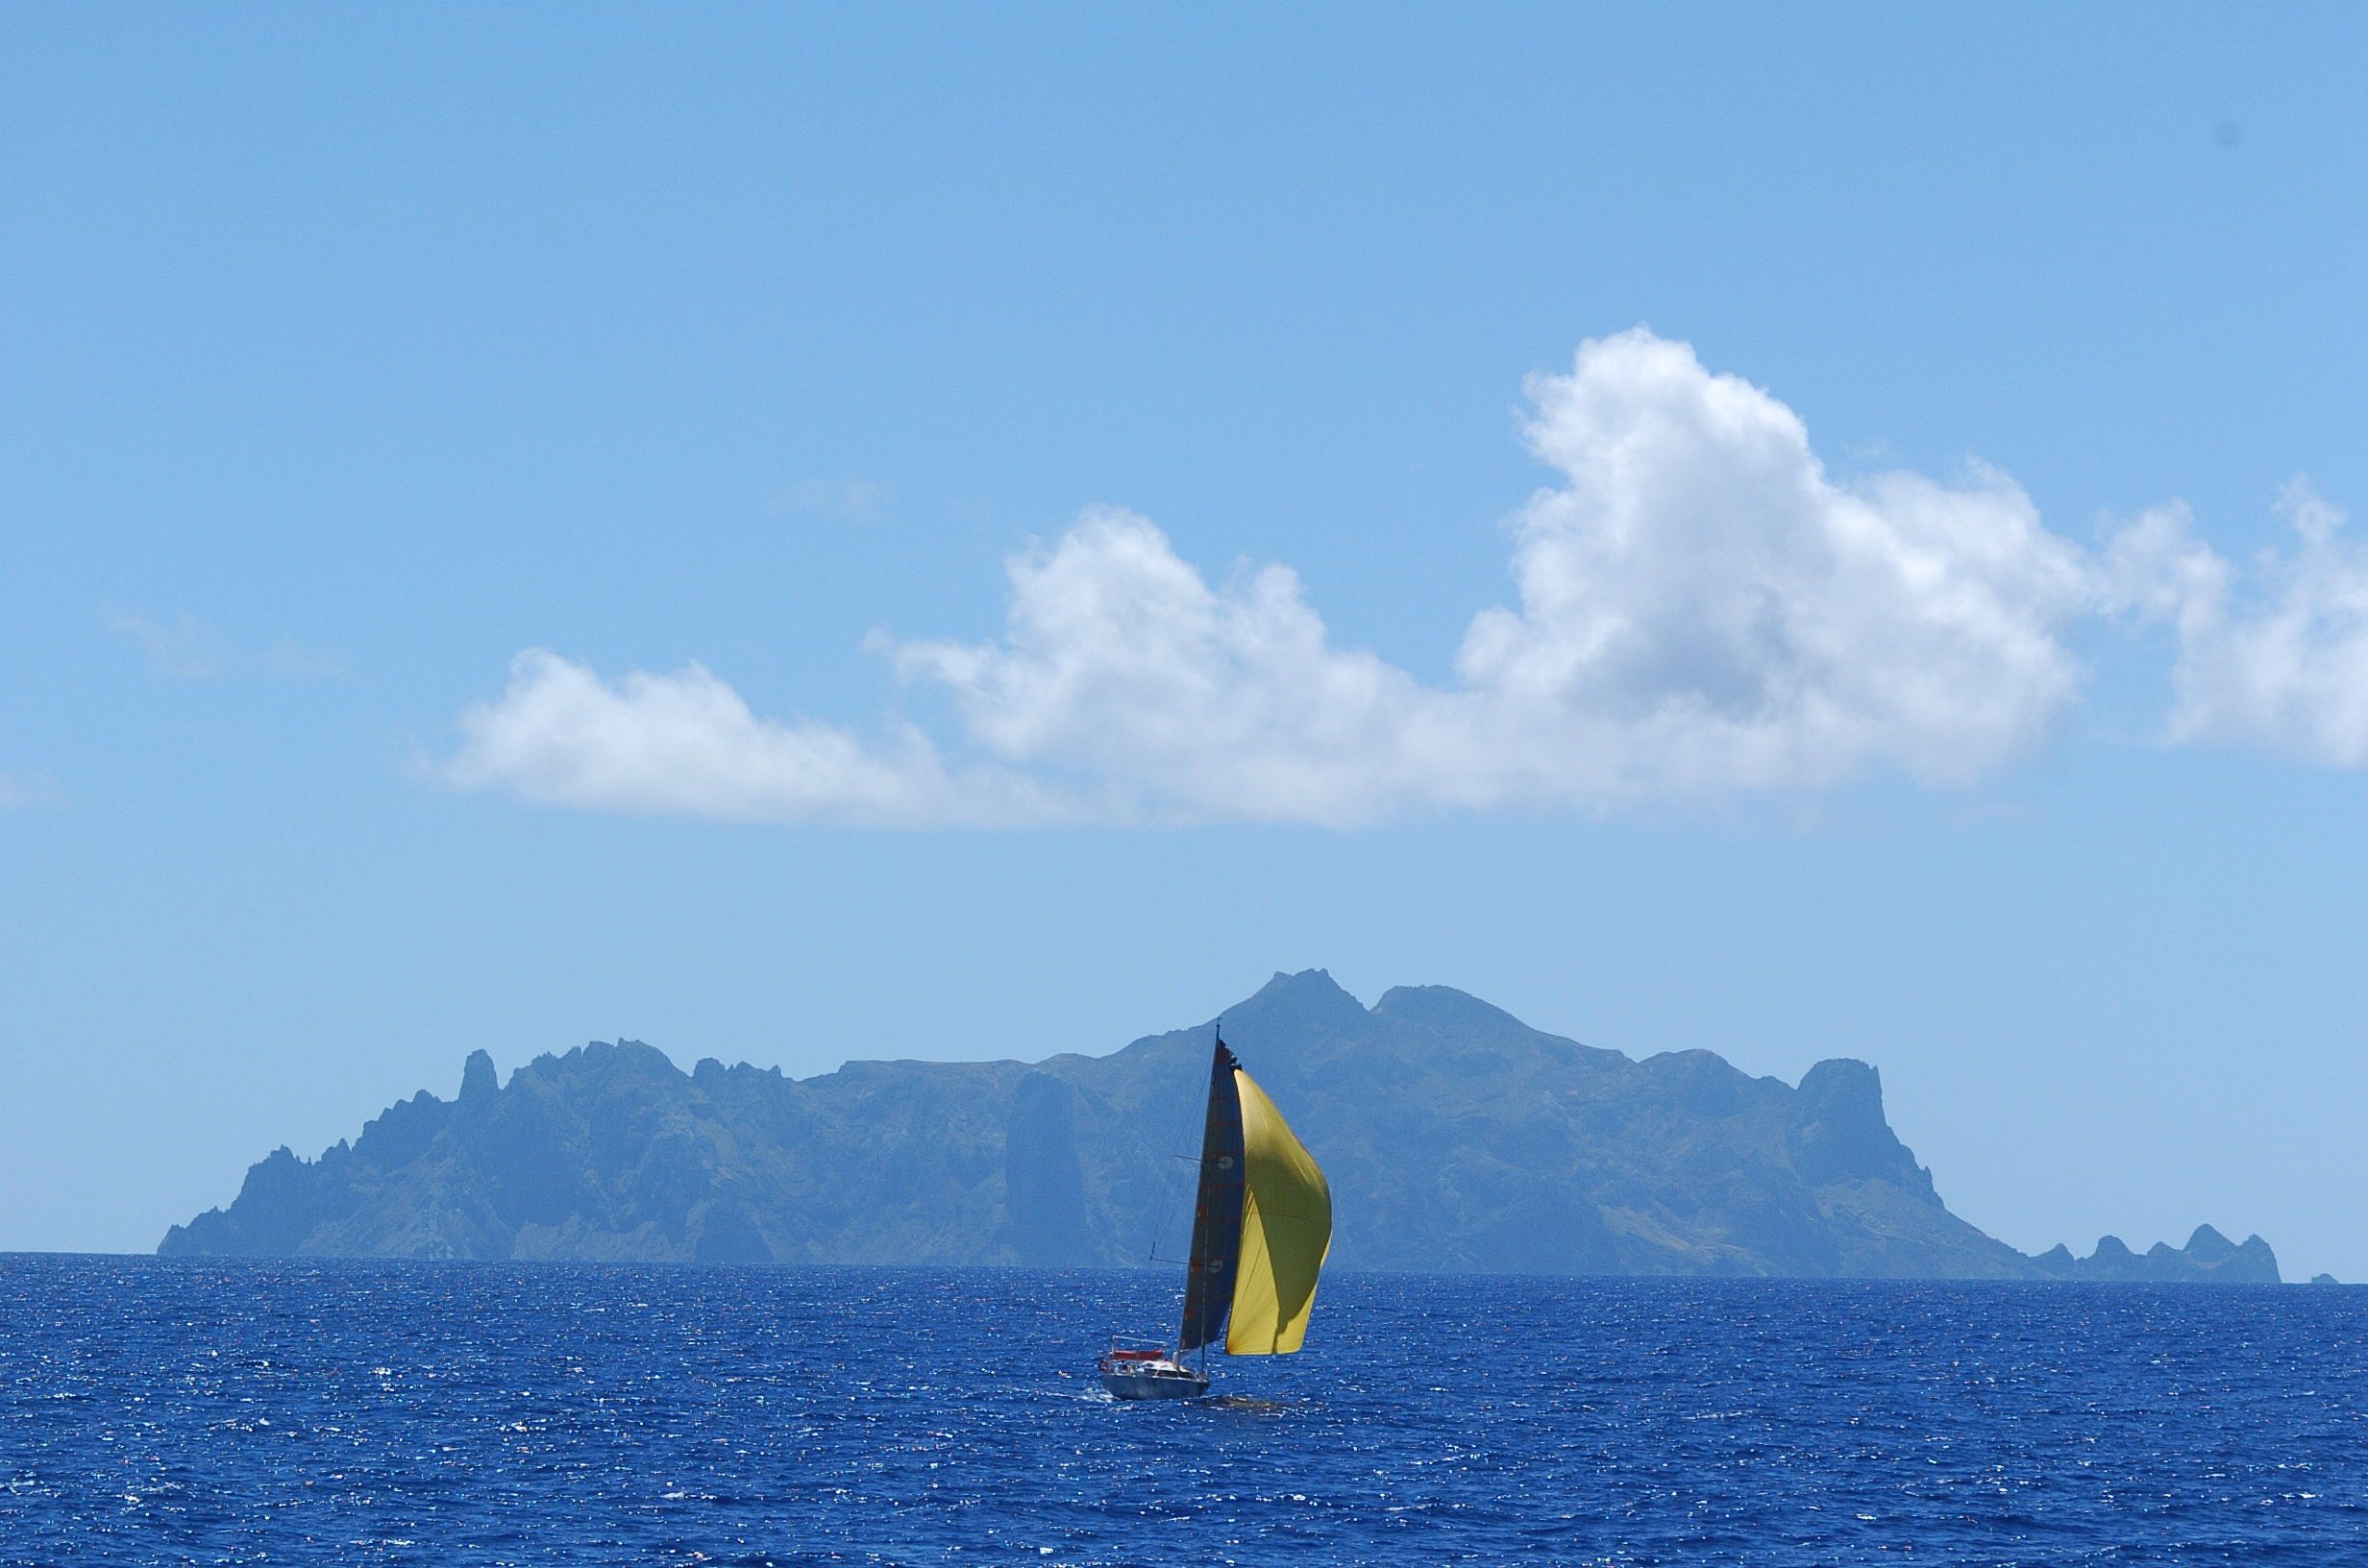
x,y
1196,1112
1166,1209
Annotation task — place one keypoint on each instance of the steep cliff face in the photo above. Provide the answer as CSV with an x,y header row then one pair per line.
x,y
1045,1220
1455,1136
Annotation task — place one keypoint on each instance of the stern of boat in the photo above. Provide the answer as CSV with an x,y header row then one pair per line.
x,y
1148,1374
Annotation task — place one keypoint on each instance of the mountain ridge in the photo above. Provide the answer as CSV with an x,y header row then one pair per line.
x,y
1459,1137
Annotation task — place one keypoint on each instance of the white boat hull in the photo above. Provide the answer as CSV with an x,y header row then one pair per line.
x,y
1153,1380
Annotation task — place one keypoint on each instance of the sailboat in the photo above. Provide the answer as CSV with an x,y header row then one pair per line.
x,y
1261,1225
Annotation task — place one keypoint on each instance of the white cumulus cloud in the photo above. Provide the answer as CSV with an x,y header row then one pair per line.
x,y
686,743
1703,607
2274,656
1122,666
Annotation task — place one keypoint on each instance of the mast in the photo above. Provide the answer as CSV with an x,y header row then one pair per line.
x,y
1216,1210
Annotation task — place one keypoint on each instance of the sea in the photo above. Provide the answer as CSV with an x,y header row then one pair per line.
x,y
357,1412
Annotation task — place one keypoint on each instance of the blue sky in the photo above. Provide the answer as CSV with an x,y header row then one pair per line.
x,y
1912,396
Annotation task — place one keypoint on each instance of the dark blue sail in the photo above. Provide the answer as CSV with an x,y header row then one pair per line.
x,y
1217,1212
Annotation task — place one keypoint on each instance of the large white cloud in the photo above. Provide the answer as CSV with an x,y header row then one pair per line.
x,y
2275,656
1701,609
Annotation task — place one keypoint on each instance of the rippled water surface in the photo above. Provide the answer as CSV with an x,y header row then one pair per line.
x,y
349,1412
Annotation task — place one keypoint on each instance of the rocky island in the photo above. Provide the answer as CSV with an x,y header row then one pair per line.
x,y
1459,1137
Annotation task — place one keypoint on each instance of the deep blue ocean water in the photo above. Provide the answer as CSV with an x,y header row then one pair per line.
x,y
156,1411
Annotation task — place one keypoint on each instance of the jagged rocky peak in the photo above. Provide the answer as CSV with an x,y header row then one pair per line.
x,y
1843,1088
1295,1012
638,1055
1443,1006
599,1057
1841,1133
2209,1246
1310,991
1703,1082
2254,1258
478,1081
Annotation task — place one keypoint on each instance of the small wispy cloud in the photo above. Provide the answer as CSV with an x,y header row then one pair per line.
x,y
23,791
285,660
851,500
185,647
180,646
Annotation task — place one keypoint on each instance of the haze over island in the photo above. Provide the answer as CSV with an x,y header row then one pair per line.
x,y
1456,1138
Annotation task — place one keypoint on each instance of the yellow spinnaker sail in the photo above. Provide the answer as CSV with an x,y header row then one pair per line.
x,y
1286,1232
